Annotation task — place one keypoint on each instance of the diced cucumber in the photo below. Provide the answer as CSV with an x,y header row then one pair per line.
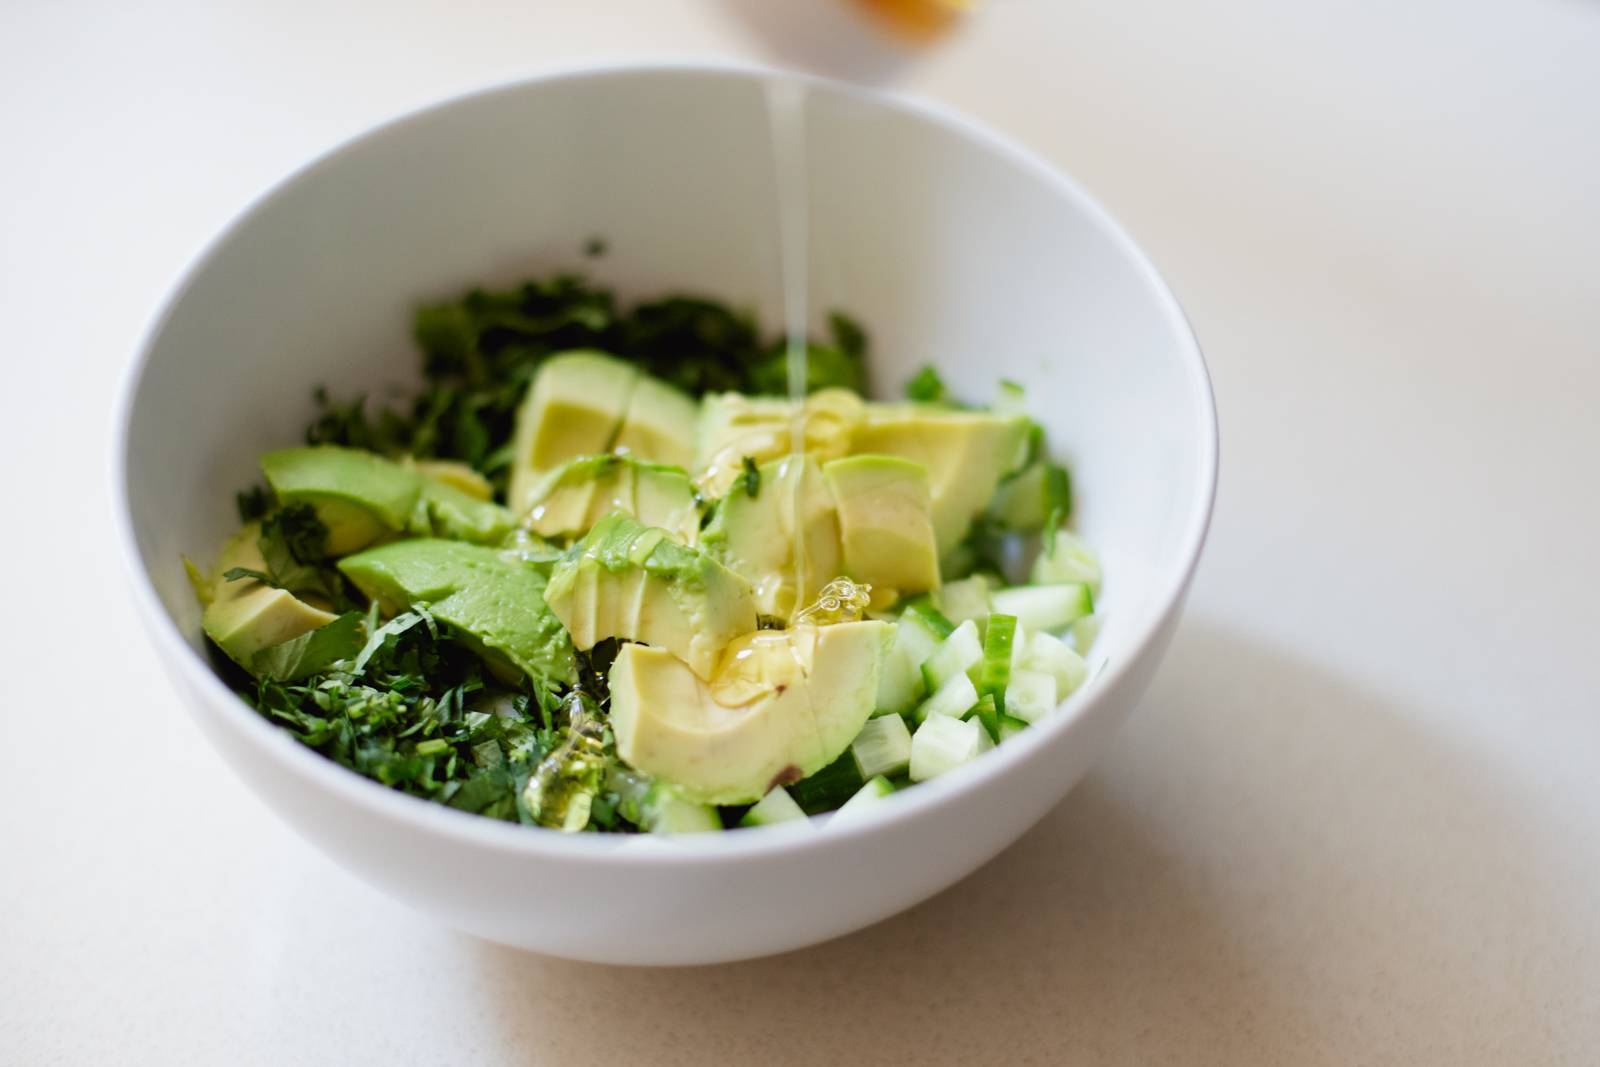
x,y
900,684
1019,503
942,743
862,803
1054,657
777,806
986,715
986,739
1010,399
882,747
829,787
920,632
669,813
955,698
1045,607
1010,727
964,600
1019,645
1065,558
961,651
921,612
998,645
1084,633
1027,501
1031,695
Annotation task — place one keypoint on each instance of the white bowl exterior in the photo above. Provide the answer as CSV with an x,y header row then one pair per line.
x,y
951,246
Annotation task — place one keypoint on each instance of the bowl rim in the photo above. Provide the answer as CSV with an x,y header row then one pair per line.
x,y
647,849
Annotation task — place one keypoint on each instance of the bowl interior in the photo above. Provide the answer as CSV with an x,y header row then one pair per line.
x,y
950,246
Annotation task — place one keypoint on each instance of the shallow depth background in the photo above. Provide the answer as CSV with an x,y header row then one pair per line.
x,y
1356,820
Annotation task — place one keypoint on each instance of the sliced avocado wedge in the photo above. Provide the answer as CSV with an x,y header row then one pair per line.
x,y
455,474
575,407
966,454
443,510
362,497
358,495
578,494
246,615
886,536
659,426
784,705
756,536
632,581
734,427
496,602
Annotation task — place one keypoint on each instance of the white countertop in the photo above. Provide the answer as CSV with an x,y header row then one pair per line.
x,y
1357,818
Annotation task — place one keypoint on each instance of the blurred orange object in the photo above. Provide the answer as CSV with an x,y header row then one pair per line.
x,y
924,19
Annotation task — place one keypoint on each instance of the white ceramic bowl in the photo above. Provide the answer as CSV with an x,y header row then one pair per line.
x,y
953,245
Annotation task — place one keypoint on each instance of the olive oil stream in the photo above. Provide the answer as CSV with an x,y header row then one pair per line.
x,y
786,102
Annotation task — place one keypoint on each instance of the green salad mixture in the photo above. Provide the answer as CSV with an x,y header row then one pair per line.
x,y
602,574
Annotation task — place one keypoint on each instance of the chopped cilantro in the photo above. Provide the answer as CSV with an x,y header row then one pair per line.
x,y
480,352
927,387
253,503
409,709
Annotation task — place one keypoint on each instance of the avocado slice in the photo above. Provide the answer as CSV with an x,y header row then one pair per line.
x,y
362,497
578,494
629,580
966,454
443,510
784,705
734,426
756,536
574,408
497,603
358,495
247,615
455,474
886,536
660,423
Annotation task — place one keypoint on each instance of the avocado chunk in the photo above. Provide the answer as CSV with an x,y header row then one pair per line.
x,y
578,494
783,705
632,581
358,495
247,615
757,536
574,408
734,426
362,497
443,510
886,534
457,475
660,423
497,603
966,454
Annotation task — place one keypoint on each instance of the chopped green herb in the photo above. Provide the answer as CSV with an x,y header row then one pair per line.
x,y
293,543
234,574
927,387
253,503
480,352
314,652
751,478
407,712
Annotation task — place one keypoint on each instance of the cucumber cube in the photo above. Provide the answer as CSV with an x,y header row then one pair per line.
x,y
777,806
943,743
883,747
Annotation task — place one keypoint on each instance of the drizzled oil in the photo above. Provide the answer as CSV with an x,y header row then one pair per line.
x,y
786,115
